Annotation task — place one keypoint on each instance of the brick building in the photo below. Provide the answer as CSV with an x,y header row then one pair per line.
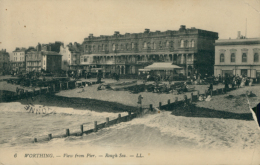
x,y
191,49
238,56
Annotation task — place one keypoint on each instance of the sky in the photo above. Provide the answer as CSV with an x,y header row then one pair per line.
x,y
25,23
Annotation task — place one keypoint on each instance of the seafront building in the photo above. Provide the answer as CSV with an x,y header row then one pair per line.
x,y
4,61
71,54
192,49
17,59
238,56
42,58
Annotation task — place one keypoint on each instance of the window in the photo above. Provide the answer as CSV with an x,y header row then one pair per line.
x,y
186,44
113,47
103,47
244,72
145,45
154,45
244,57
256,57
192,43
171,44
122,46
133,45
93,48
148,45
167,44
85,59
222,57
44,62
182,44
160,45
233,57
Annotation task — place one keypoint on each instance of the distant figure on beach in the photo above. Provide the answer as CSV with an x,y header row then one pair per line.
x,y
17,90
140,97
210,87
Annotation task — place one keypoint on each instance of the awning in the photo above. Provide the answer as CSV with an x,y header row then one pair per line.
x,y
163,66
144,70
96,69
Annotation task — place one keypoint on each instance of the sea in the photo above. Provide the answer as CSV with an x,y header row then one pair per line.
x,y
161,134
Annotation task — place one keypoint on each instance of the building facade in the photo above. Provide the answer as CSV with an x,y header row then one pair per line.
x,y
37,60
17,59
4,62
71,55
193,49
237,57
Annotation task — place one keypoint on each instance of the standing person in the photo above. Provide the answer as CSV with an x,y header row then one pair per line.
x,y
219,78
140,97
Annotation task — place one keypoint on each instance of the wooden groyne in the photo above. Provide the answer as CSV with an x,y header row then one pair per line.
x,y
193,98
51,88
96,126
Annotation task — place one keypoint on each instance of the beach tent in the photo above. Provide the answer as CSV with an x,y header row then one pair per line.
x,y
163,66
163,69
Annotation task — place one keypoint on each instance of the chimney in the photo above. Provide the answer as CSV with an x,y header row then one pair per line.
x,y
90,35
183,26
116,32
147,30
238,35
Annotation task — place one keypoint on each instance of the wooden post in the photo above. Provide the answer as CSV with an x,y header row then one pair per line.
x,y
211,93
223,90
191,97
160,105
50,136
95,126
129,116
33,91
67,85
169,102
107,122
35,140
81,128
151,107
67,132
119,118
60,86
76,84
206,92
53,87
198,94
40,91
26,93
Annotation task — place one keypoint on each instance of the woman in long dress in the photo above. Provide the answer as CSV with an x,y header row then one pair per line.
x,y
242,82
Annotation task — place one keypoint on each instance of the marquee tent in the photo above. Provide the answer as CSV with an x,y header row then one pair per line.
x,y
162,66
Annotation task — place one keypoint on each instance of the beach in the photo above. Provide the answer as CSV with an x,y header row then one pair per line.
x,y
222,127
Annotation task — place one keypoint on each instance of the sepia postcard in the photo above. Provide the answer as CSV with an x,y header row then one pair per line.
x,y
129,82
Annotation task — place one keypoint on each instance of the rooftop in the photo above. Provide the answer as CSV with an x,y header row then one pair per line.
x,y
244,41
